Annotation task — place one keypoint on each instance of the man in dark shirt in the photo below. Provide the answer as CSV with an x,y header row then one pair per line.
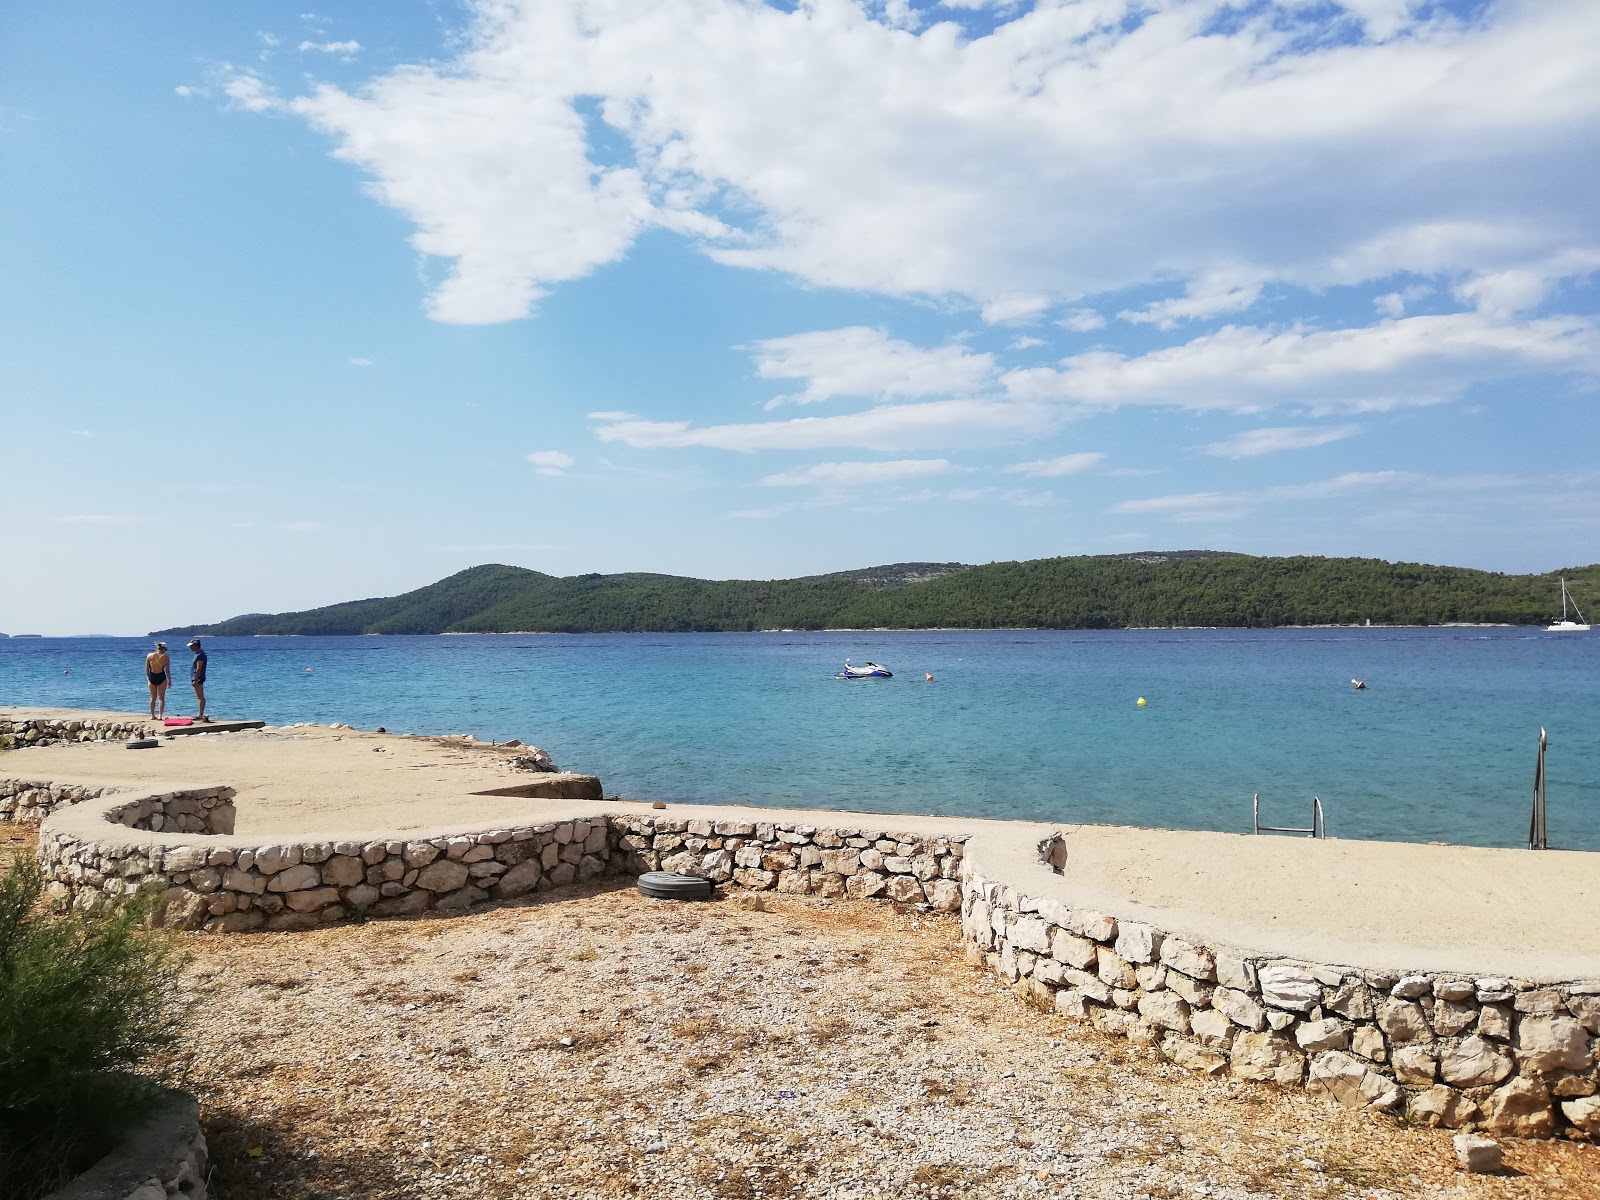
x,y
197,677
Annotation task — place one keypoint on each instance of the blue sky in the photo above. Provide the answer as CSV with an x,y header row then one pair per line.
x,y
307,306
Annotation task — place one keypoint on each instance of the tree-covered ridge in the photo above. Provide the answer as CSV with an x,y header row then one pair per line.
x,y
1168,588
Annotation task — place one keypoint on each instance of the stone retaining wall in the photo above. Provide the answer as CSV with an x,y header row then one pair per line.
x,y
50,731
1450,1049
29,801
1436,1049
163,1157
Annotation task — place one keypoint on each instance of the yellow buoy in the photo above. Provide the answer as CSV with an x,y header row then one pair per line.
x,y
1141,702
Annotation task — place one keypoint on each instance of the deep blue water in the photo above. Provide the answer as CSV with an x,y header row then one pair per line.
x,y
1016,724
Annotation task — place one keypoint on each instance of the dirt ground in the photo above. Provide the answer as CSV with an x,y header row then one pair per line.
x,y
16,839
600,1044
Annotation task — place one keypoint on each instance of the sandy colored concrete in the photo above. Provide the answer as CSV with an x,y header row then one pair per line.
x,y
1380,905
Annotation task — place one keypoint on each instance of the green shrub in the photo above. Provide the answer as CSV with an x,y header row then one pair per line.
x,y
88,999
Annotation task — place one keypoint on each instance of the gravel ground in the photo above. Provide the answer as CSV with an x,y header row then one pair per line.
x,y
600,1044
16,839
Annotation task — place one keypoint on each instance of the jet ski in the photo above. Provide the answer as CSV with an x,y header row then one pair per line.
x,y
871,671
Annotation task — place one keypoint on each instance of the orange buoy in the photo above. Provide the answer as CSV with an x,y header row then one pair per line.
x,y
929,676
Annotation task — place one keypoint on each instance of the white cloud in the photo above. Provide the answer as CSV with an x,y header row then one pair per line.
x,y
859,361
1082,320
1004,310
350,47
1205,506
1210,294
887,427
551,462
842,475
1075,150
184,89
1417,360
1026,343
1051,468
1254,442
361,361
249,92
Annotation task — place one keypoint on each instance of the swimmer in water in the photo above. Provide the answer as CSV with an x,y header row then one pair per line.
x,y
1359,684
158,673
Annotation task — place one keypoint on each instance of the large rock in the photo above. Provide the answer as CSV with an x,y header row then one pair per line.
x,y
1520,1109
1351,1082
841,862
943,894
1269,1057
1404,1021
1583,1112
1236,973
1327,1034
1552,1044
1479,1155
312,899
1439,1107
294,879
865,884
442,875
1114,969
1192,1056
1073,950
518,881
1473,1062
1166,1010
1138,943
1194,961
904,889
1285,985
1414,1066
1212,1027
1239,1008
343,871
1030,933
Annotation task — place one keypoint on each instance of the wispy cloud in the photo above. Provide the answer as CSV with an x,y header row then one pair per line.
x,y
551,462
345,48
1051,468
1254,442
860,361
837,475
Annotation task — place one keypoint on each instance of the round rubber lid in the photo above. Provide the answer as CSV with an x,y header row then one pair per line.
x,y
670,885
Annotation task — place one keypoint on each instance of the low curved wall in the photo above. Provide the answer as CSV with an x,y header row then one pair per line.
x,y
163,1157
29,801
1454,1049
50,731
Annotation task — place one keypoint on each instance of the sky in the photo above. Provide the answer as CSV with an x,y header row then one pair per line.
x,y
308,306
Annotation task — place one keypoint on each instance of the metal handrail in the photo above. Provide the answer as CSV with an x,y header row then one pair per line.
x,y
1538,835
1319,824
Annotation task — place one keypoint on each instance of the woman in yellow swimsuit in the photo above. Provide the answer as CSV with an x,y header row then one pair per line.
x,y
158,672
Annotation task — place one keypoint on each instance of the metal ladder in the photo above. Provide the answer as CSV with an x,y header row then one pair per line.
x,y
1538,836
1319,827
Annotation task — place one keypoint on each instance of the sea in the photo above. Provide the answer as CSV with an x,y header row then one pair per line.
x,y
1044,726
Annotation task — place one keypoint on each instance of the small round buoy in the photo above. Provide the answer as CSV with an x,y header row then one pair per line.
x,y
1141,701
308,670
66,672
929,676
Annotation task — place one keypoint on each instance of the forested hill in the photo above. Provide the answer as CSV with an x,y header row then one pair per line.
x,y
1158,588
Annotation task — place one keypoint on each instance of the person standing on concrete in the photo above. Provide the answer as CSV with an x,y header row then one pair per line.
x,y
158,673
197,678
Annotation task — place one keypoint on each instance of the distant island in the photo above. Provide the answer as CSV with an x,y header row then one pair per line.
x,y
1109,591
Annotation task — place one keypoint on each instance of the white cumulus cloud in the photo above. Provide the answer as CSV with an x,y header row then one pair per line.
x,y
859,361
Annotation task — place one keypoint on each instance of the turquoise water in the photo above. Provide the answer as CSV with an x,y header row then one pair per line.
x,y
1016,724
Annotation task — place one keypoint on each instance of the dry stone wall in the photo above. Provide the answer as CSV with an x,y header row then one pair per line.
x,y
29,801
51,731
1504,1055
1510,1056
862,864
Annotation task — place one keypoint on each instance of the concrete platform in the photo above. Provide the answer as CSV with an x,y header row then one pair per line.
x,y
210,727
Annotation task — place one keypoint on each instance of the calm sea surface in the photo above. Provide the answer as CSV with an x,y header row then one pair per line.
x,y
1016,724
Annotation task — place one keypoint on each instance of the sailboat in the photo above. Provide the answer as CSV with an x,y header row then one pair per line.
x,y
1564,625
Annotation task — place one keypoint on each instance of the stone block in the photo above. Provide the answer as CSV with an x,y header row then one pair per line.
x,y
1454,1017
1414,1066
1166,1010
1351,1082
343,871
1473,1062
944,895
1521,1108
1288,986
418,854
1138,943
864,885
841,862
460,899
1541,1002
272,859
794,882
1030,933
1211,1027
1097,927
311,899
1152,977
1410,987
1114,969
363,895
1494,1021
1583,1112
1195,961
519,880
442,875
1439,1107
1268,1057
904,889
1479,1155
1239,1008
1192,1056
1552,1043
1198,994
1236,973
1086,985
1404,1021
1073,950
1326,1034
295,878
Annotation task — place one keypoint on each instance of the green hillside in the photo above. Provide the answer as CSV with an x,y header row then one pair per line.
x,y
1171,588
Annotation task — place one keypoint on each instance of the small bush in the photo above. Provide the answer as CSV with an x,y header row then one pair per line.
x,y
88,998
